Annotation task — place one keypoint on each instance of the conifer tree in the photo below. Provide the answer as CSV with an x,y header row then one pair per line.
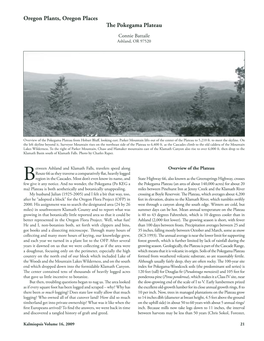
x,y
103,110
200,106
108,118
240,85
60,97
236,104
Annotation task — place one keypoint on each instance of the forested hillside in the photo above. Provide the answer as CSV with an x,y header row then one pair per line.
x,y
78,105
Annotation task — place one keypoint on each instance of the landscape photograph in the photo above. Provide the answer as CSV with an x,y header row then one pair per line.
x,y
134,94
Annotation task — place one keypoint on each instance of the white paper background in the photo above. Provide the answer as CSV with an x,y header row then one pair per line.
x,y
188,25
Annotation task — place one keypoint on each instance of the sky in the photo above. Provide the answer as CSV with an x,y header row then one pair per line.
x,y
218,66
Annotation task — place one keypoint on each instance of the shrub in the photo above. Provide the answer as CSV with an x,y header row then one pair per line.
x,y
197,128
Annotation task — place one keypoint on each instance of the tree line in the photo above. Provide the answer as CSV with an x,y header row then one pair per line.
x,y
200,119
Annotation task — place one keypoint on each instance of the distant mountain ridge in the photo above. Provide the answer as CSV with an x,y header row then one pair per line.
x,y
32,76
167,79
130,92
138,80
